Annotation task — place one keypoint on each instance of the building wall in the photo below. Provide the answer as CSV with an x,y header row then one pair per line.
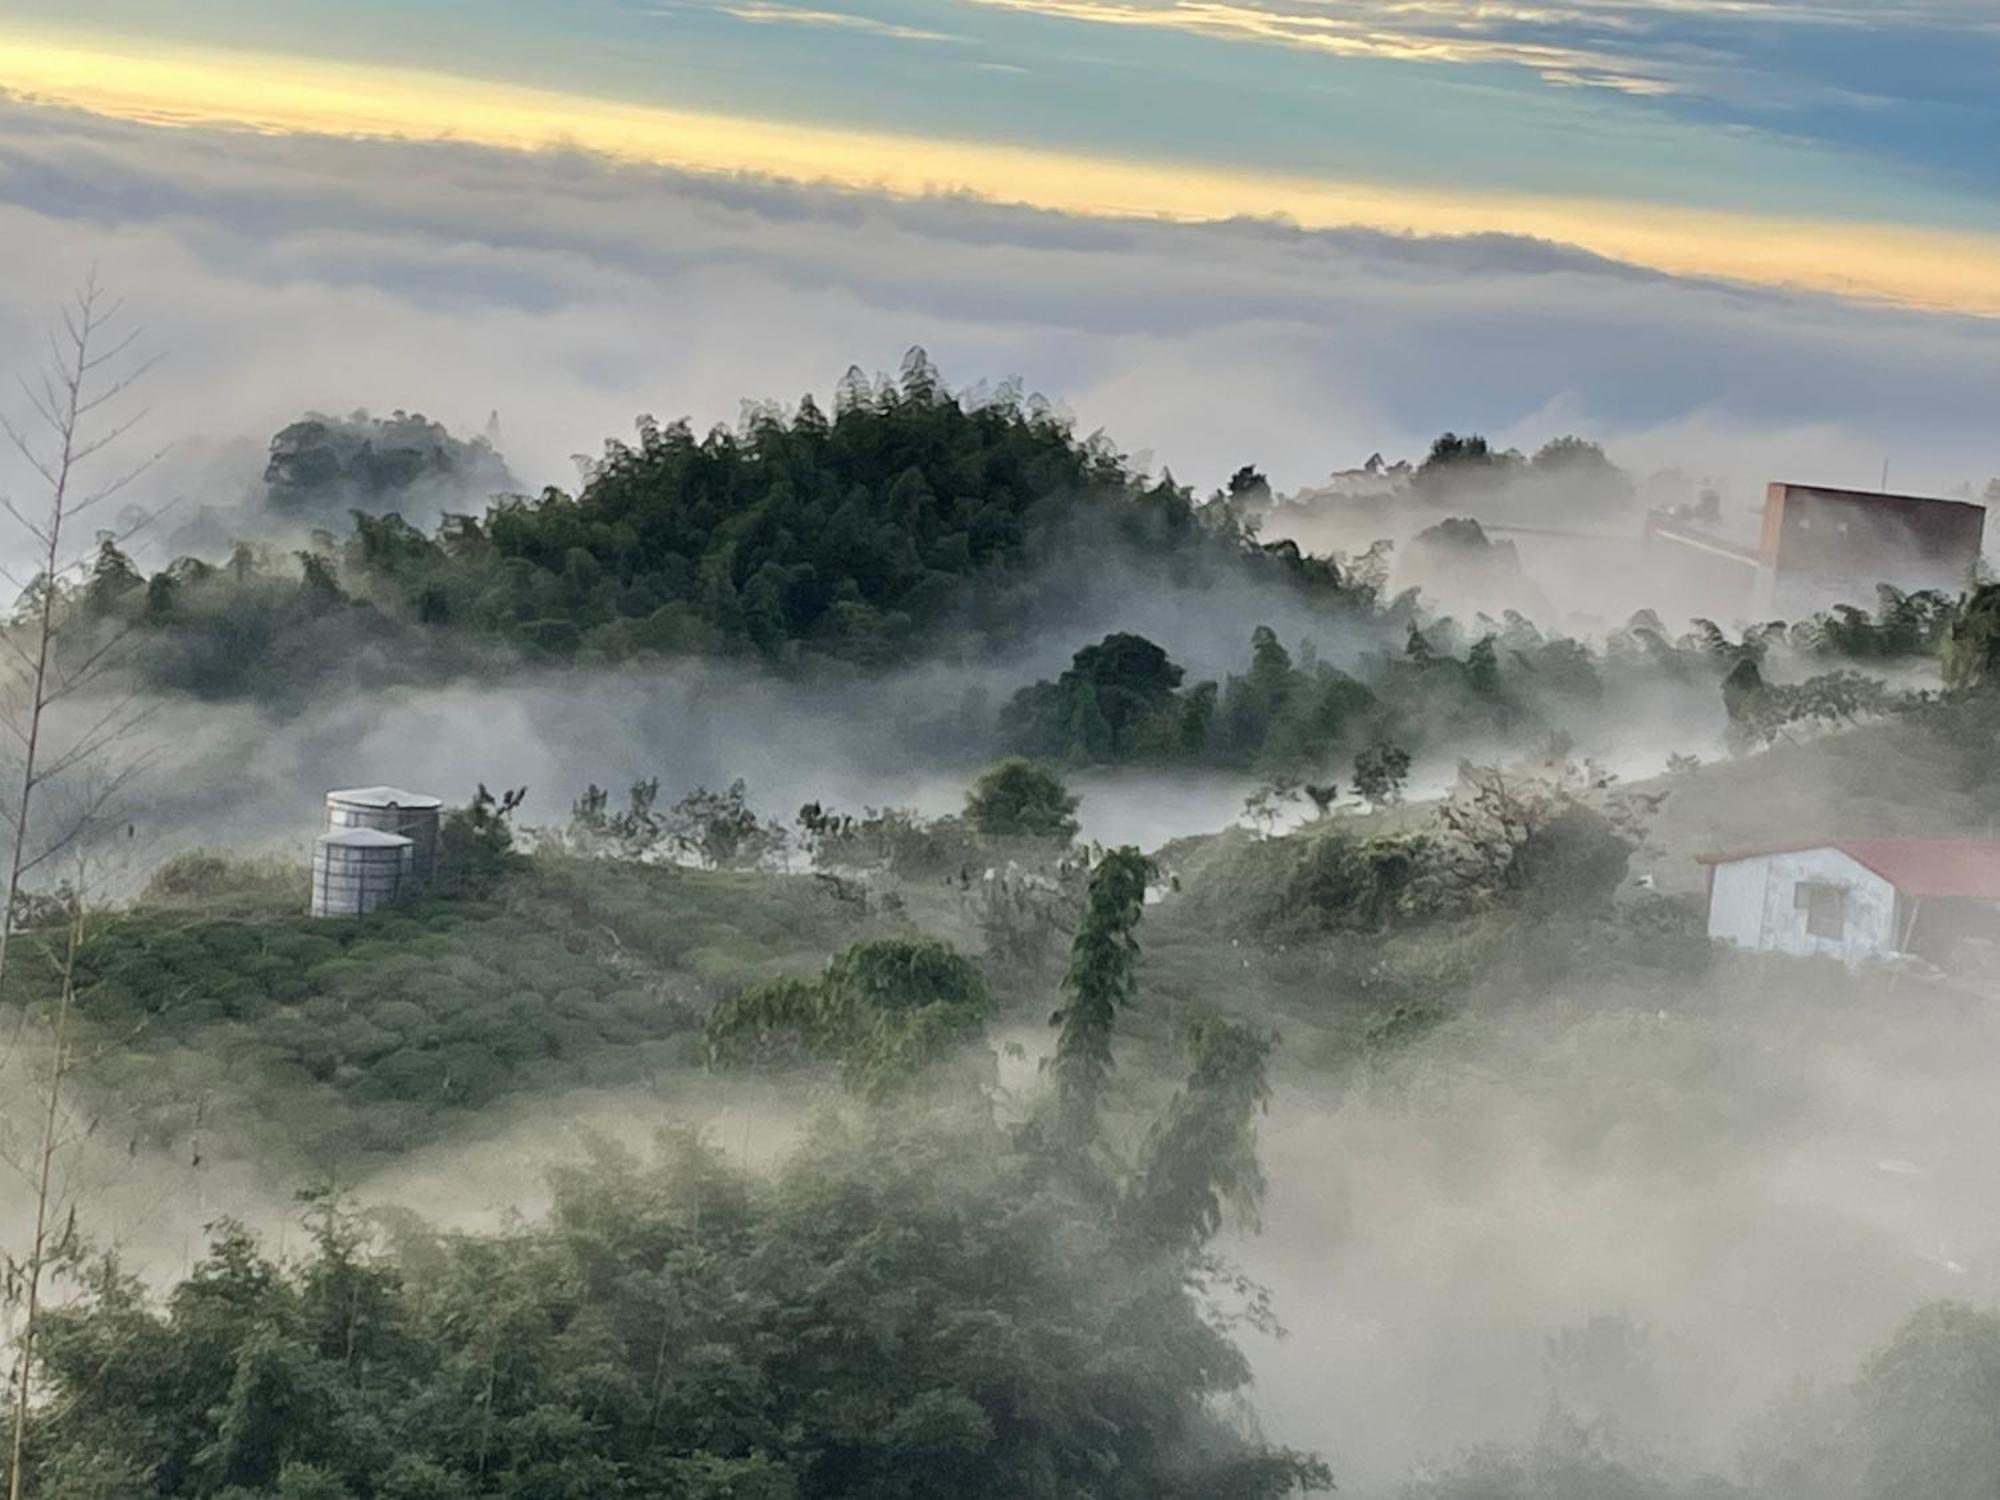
x,y
1845,536
1753,903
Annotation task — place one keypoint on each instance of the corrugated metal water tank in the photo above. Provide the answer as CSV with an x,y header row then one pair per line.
x,y
390,809
356,870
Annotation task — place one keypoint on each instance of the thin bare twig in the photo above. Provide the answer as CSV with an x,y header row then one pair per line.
x,y
69,392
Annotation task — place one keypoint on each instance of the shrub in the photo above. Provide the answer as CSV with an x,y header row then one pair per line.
x,y
885,1010
1341,882
197,877
1574,861
1019,799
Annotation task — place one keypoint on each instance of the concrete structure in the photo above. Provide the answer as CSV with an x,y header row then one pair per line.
x,y
1854,899
389,809
356,870
1823,546
1817,547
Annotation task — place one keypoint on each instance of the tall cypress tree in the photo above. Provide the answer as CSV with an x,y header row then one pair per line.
x,y
1103,973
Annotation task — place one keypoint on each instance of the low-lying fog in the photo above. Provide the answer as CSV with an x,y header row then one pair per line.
x,y
237,775
1661,1222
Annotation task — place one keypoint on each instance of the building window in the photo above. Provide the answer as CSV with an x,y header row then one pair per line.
x,y
1825,907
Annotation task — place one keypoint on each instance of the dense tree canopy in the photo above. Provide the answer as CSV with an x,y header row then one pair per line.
x,y
858,535
1121,702
908,1309
911,521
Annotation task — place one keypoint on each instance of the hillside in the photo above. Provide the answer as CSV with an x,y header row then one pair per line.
x,y
1455,1003
585,968
218,1005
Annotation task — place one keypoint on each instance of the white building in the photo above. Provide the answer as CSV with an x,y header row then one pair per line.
x,y
1855,898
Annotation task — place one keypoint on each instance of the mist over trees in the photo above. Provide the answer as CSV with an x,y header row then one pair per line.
x,y
976,1270
907,520
915,525
320,470
1124,702
1460,467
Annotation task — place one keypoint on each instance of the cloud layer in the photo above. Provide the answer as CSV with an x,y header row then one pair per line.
x,y
1696,202
281,274
1636,46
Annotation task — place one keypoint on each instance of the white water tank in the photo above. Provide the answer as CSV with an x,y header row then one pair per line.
x,y
390,809
356,870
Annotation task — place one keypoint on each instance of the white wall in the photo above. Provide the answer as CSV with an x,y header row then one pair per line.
x,y
1753,903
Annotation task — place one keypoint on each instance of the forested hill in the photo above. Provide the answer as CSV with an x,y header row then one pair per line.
x,y
862,537
912,522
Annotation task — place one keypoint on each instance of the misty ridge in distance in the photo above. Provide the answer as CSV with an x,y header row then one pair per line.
x,y
321,469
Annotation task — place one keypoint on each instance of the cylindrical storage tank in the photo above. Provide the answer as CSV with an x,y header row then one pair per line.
x,y
390,809
356,870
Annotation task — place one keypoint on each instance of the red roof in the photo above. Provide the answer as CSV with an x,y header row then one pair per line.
x,y
1916,867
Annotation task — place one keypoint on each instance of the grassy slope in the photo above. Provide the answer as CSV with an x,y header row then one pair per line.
x,y
231,1012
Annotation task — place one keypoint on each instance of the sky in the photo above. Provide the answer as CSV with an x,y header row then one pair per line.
x,y
1701,135
1724,234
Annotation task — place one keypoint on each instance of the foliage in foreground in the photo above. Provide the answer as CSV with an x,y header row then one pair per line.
x,y
908,1309
916,1305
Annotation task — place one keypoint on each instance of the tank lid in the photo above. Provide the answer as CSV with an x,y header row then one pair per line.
x,y
367,838
385,797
